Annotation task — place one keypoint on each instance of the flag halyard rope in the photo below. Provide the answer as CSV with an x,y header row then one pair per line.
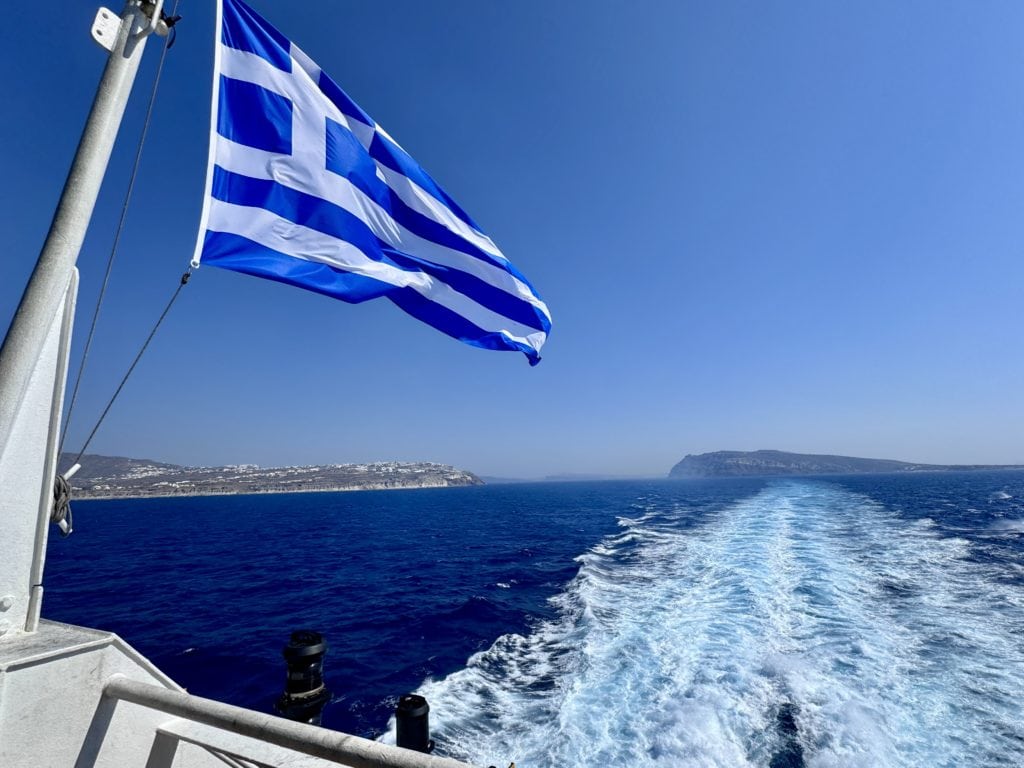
x,y
184,281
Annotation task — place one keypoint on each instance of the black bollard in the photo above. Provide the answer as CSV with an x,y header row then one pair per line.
x,y
412,720
304,694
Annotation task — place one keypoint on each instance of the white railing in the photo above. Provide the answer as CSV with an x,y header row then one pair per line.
x,y
242,737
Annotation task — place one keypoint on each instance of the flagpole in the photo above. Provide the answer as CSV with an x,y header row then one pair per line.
x,y
33,358
49,280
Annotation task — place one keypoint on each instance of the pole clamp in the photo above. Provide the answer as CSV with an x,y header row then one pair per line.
x,y
152,10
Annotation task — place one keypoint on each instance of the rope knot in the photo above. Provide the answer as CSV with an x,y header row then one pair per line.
x,y
61,512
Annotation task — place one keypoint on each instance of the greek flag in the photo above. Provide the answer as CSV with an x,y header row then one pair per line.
x,y
305,188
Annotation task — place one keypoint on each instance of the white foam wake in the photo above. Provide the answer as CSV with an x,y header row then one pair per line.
x,y
806,624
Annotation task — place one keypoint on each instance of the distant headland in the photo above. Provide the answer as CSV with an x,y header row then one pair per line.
x,y
761,463
116,477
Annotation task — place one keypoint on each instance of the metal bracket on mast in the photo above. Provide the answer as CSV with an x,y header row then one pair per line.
x,y
105,28
107,24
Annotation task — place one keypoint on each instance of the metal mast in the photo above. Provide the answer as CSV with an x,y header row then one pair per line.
x,y
33,359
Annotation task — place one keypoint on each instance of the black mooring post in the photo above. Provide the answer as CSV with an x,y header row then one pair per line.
x,y
412,719
304,694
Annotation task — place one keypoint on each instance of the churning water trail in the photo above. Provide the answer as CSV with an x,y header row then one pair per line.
x,y
804,626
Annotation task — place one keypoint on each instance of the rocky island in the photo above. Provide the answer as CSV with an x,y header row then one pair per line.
x,y
115,477
761,463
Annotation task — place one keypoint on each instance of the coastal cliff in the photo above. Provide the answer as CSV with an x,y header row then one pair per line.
x,y
761,463
113,477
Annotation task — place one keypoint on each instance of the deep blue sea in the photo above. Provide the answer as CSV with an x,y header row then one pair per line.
x,y
862,621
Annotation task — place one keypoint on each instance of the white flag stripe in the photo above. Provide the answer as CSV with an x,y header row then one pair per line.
x,y
301,90
421,201
270,166
242,65
308,65
270,230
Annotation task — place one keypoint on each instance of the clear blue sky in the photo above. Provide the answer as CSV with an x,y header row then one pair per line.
x,y
792,225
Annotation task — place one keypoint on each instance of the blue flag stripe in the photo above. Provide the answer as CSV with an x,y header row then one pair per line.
x,y
260,118
245,30
457,326
370,184
323,216
330,281
394,157
340,99
252,258
385,150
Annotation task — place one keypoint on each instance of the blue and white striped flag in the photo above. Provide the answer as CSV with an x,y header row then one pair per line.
x,y
304,188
